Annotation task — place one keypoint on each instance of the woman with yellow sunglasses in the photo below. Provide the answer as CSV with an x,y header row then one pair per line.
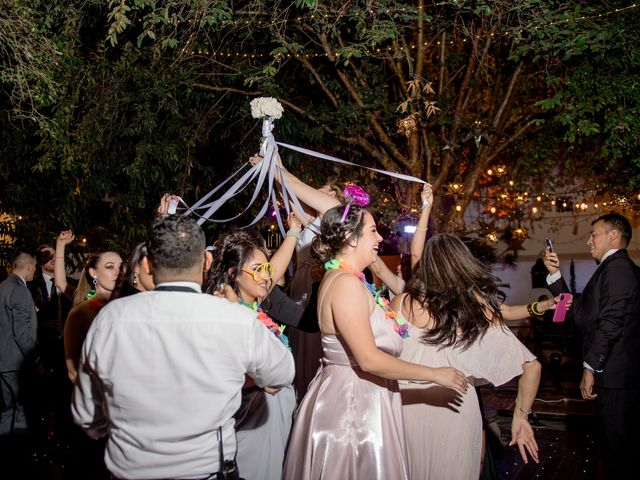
x,y
242,272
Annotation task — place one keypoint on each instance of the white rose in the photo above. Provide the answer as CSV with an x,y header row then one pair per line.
x,y
266,107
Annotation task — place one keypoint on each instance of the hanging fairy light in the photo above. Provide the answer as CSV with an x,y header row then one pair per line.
x,y
454,188
520,233
500,170
408,125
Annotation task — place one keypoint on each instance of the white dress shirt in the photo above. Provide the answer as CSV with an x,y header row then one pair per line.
x,y
48,282
160,371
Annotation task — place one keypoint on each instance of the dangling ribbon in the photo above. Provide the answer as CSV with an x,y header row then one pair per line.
x,y
267,170
323,156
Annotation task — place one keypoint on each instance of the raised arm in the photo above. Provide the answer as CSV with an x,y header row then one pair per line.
x,y
281,258
59,268
521,432
350,304
316,199
166,202
390,279
420,235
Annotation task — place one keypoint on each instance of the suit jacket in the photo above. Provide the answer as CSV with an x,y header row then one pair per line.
x,y
18,324
287,312
52,310
608,314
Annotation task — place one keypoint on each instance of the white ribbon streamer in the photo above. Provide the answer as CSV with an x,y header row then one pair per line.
x,y
267,170
323,156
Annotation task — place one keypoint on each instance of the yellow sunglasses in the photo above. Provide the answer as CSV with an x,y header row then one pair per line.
x,y
261,271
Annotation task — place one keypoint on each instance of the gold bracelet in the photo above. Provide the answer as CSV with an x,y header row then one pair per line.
x,y
421,229
531,308
536,312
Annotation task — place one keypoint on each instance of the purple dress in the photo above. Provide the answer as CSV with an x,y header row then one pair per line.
x,y
349,424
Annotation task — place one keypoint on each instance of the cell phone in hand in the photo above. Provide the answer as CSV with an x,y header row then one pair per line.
x,y
173,206
547,240
560,312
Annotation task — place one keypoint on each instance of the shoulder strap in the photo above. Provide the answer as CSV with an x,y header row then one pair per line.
x,y
402,297
326,287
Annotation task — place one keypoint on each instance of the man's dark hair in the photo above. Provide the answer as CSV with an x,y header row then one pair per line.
x,y
176,243
615,221
44,253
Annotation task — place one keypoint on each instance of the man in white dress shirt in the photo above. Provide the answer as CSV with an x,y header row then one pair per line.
x,y
161,371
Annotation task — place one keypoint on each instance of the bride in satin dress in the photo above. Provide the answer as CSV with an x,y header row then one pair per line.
x,y
349,424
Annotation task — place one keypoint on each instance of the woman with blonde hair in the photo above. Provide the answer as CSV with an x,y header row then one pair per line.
x,y
95,288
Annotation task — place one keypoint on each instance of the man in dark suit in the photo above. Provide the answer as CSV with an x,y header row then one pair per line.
x,y
18,331
52,307
608,314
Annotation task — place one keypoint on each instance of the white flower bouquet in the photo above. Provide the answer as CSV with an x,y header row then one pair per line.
x,y
265,107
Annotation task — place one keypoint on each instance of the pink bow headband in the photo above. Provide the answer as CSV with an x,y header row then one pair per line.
x,y
354,195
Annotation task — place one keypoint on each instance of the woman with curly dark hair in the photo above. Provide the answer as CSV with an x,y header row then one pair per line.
x,y
242,272
454,311
349,424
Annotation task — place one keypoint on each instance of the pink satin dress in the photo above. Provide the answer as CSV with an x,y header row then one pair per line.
x,y
349,424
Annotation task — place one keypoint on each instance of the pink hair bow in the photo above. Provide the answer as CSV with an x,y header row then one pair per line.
x,y
354,195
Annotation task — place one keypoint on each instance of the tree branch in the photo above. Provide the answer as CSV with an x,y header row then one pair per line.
x,y
307,64
497,119
420,41
375,124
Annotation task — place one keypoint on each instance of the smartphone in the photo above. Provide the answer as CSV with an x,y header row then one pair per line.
x,y
173,206
561,308
547,240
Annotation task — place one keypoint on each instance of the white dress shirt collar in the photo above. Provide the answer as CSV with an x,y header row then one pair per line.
x,y
608,254
192,285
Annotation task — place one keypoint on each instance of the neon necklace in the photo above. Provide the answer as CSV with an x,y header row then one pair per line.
x,y
267,321
400,325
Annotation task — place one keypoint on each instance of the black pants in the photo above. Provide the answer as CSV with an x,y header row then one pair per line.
x,y
618,415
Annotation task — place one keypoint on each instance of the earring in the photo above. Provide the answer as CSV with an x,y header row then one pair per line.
x,y
135,278
92,292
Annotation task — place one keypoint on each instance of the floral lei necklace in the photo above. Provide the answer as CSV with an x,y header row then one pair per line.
x,y
400,325
267,321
